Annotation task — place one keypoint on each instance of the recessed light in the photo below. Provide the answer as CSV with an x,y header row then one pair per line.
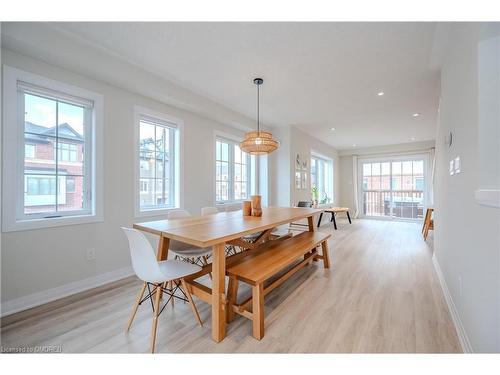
x,y
354,145
380,93
412,138
332,129
416,114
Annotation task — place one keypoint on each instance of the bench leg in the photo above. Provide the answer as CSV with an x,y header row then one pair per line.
x,y
258,311
326,255
232,295
348,217
334,221
320,217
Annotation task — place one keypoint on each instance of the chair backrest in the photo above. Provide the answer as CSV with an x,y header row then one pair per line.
x,y
304,204
143,257
177,214
208,210
234,207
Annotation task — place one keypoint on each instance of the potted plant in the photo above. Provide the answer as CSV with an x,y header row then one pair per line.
x,y
314,196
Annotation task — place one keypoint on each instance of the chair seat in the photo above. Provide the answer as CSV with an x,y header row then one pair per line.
x,y
176,269
251,237
188,251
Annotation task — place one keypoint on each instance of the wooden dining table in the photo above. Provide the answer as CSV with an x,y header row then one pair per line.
x,y
216,231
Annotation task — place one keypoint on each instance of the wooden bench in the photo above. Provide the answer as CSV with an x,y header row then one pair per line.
x,y
258,267
334,211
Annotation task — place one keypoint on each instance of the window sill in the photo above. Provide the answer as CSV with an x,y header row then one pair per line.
x,y
229,203
154,212
489,198
32,224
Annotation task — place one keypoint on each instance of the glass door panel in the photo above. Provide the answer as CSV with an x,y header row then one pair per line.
x,y
393,189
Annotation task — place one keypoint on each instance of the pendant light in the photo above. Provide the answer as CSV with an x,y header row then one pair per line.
x,y
258,142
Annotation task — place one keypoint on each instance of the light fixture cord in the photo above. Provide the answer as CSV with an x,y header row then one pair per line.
x,y
258,110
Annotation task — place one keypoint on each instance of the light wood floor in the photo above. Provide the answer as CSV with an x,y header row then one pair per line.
x,y
381,295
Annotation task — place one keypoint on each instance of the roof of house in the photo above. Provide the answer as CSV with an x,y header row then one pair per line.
x,y
39,133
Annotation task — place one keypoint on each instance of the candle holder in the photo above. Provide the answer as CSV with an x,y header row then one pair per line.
x,y
247,208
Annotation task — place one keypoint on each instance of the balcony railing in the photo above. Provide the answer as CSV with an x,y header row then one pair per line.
x,y
406,204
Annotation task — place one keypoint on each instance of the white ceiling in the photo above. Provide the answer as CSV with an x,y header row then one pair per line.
x,y
316,75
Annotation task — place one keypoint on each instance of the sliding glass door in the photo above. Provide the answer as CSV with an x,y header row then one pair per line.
x,y
393,187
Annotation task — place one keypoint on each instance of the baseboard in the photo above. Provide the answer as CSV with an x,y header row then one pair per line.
x,y
37,299
459,327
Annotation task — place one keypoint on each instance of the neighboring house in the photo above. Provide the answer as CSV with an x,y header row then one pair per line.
x,y
154,171
40,168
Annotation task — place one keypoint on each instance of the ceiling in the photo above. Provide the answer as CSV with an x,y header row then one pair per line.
x,y
316,75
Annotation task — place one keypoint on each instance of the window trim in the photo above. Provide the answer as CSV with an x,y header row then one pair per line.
x,y
12,193
395,157
232,139
330,162
139,112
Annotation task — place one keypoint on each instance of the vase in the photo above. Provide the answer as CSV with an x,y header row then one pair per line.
x,y
256,205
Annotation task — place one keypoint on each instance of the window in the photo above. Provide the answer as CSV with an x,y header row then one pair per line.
x,y
158,165
232,171
394,187
144,186
55,166
322,179
29,151
70,185
67,152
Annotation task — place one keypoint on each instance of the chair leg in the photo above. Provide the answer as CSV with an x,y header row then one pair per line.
x,y
191,302
136,305
155,318
326,255
170,287
232,296
426,219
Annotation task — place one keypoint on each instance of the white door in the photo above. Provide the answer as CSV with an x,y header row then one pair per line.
x,y
393,187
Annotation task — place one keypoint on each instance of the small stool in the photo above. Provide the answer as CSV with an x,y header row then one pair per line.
x,y
428,222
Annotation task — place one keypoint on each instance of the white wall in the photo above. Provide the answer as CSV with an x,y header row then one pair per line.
x,y
346,189
467,242
37,260
282,162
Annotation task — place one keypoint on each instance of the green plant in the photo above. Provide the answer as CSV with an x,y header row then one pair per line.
x,y
314,193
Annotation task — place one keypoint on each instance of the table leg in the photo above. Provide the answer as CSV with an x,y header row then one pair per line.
x,y
162,251
310,223
162,254
218,289
334,221
349,217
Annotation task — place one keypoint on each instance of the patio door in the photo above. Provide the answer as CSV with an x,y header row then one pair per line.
x,y
393,187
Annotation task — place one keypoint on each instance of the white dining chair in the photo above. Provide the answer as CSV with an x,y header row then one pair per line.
x,y
186,252
209,211
156,274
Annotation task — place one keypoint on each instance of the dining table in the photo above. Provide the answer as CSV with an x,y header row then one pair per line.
x,y
216,231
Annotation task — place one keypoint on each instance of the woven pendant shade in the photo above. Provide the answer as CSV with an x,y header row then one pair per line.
x,y
259,143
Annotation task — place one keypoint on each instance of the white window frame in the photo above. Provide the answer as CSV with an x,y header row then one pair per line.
x,y
251,172
398,157
330,177
178,183
13,155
